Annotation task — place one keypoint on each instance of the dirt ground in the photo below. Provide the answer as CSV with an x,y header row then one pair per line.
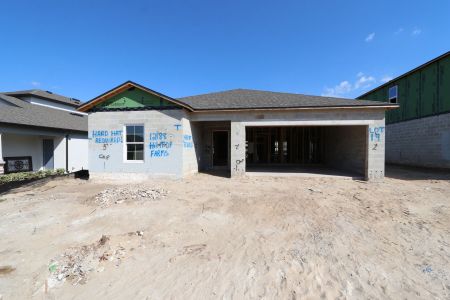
x,y
209,237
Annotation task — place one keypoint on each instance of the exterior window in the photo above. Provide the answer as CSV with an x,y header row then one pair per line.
x,y
393,93
135,143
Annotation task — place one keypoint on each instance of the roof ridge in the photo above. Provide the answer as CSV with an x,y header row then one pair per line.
x,y
263,91
49,95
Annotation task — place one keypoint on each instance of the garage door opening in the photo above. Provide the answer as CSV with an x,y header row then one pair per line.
x,y
320,150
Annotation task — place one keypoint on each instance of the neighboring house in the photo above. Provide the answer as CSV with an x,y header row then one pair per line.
x,y
418,133
41,130
133,129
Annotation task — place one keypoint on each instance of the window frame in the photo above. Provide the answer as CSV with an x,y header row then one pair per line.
x,y
125,144
396,94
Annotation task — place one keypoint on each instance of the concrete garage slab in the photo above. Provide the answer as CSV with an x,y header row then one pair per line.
x,y
302,171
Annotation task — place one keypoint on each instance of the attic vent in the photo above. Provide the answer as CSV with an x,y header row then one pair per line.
x,y
131,88
49,92
75,100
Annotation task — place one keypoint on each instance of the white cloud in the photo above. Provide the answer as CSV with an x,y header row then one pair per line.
x,y
344,88
400,30
386,78
341,89
370,37
416,31
35,83
364,82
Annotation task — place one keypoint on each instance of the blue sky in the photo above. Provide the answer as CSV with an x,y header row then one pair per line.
x,y
343,48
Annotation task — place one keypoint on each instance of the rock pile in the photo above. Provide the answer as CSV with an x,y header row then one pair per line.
x,y
122,194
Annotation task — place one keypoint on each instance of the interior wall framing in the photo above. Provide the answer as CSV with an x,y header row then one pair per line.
x,y
339,147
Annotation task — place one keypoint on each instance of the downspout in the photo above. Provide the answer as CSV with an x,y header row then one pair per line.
x,y
67,153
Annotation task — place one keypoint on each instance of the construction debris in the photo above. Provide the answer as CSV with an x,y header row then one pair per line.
x,y
77,262
123,194
6,269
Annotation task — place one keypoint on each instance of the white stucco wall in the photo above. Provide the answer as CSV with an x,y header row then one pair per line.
x,y
23,145
78,152
16,144
59,155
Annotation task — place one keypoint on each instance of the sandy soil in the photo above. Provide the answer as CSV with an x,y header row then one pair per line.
x,y
212,237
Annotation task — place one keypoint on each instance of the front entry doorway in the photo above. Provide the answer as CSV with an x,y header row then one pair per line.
x,y
220,149
47,151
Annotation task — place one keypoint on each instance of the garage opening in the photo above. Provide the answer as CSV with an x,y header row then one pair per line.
x,y
321,150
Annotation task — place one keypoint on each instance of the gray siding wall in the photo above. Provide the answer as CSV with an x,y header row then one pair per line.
x,y
423,142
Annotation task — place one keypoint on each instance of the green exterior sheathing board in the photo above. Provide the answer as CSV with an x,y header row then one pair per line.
x,y
424,92
134,98
428,89
444,84
411,106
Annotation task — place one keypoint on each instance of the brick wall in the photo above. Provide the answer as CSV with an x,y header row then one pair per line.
x,y
346,148
422,142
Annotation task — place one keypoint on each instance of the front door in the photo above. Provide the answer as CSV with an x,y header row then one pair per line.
x,y
220,148
47,150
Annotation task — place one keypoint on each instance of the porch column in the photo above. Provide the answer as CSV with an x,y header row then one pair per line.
x,y
2,163
237,149
375,152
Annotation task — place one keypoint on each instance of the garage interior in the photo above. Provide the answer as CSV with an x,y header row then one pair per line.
x,y
321,150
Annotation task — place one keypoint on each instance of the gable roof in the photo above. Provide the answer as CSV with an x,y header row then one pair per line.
x,y
239,99
47,95
123,87
16,111
244,99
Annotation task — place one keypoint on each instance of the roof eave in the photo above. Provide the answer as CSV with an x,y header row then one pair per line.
x,y
46,127
385,107
40,97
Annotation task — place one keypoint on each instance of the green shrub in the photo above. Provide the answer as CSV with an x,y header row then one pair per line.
x,y
29,175
60,171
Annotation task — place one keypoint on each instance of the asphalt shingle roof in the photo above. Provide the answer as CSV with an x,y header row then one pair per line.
x,y
254,99
16,111
46,95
